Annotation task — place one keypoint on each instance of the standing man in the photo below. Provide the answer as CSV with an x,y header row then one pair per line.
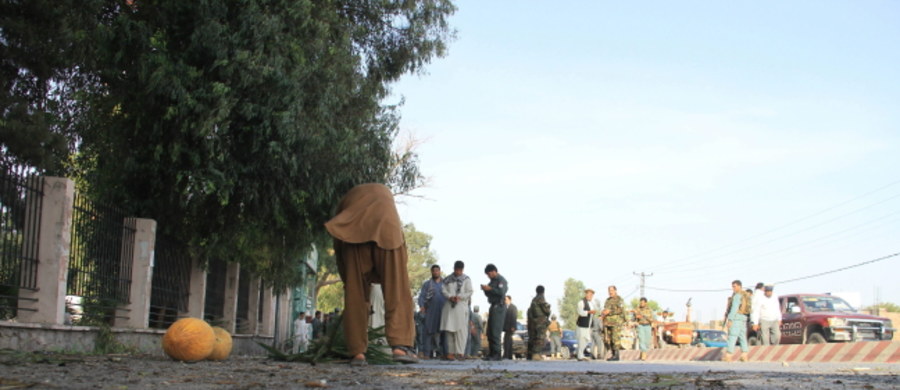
x,y
555,337
509,328
317,325
369,247
736,321
645,319
455,314
586,313
598,348
613,319
495,291
475,329
766,317
431,302
538,314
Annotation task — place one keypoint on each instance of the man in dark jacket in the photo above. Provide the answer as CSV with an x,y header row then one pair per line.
x,y
509,328
538,320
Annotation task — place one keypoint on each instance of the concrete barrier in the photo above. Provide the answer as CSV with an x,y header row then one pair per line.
x,y
863,352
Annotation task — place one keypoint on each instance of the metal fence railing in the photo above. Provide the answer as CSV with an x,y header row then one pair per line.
x,y
99,277
214,308
171,282
21,195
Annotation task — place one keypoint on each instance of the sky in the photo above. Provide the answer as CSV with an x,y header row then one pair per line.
x,y
701,142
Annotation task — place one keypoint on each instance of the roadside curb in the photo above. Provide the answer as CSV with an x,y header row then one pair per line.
x,y
866,351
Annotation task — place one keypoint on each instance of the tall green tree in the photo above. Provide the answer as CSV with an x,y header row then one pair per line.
x,y
236,125
573,292
636,302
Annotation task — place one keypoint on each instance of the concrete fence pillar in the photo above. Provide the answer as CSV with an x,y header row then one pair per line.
x,y
136,314
232,280
253,305
47,303
267,324
196,291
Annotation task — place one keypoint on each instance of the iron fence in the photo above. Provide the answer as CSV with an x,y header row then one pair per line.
x,y
21,195
99,278
214,308
171,282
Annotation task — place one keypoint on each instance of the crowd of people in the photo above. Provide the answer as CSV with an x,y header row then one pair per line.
x,y
370,250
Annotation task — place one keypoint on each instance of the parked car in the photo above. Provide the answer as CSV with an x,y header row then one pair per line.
x,y
569,346
821,318
709,338
520,342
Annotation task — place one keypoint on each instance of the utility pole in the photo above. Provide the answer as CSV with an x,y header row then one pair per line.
x,y
643,277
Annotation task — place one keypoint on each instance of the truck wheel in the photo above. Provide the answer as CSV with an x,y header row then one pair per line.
x,y
815,338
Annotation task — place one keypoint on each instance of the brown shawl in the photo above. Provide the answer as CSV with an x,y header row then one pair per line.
x,y
367,213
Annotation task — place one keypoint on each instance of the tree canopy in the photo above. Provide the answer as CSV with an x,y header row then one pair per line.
x,y
236,125
573,292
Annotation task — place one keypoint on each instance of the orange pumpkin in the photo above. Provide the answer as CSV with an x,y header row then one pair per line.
x,y
222,346
189,340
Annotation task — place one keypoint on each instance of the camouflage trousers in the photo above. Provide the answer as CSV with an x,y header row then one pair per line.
x,y
537,338
613,335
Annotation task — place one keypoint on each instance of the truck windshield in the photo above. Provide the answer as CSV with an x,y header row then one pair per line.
x,y
824,304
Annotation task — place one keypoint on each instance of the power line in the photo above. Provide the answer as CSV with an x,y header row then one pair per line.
x,y
643,279
789,280
710,252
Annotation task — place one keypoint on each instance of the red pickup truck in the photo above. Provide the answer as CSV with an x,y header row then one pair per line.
x,y
821,318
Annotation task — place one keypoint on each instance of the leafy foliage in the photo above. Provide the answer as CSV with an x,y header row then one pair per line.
x,y
237,126
636,302
573,292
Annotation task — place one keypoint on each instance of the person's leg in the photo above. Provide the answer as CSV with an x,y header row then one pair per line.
x,y
398,310
764,332
507,345
354,267
776,333
583,339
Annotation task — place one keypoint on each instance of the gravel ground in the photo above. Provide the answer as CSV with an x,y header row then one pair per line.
x,y
127,372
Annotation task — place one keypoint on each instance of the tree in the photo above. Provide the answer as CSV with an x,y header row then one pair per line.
x,y
885,306
573,293
636,302
237,127
421,256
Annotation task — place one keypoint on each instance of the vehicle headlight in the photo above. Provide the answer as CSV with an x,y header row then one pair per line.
x,y
834,321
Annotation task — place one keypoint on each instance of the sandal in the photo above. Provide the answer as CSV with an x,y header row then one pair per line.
x,y
407,357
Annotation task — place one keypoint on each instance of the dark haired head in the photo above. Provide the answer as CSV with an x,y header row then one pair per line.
x,y
540,289
737,282
643,299
459,265
489,268
435,266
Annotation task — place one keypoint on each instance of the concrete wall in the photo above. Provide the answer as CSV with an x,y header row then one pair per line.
x,y
81,339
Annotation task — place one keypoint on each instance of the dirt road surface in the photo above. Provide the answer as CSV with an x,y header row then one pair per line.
x,y
130,372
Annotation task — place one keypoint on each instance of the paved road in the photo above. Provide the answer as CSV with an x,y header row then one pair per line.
x,y
60,371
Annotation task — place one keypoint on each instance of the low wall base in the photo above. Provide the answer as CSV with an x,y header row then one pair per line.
x,y
864,352
81,339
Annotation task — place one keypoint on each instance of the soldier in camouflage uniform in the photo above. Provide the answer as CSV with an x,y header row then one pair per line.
x,y
613,319
538,320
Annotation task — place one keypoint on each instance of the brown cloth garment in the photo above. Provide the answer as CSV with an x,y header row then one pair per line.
x,y
369,247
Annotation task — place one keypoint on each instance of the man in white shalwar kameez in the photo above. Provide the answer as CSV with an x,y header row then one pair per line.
x,y
457,290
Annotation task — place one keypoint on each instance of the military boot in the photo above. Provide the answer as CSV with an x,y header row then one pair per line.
x,y
615,356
